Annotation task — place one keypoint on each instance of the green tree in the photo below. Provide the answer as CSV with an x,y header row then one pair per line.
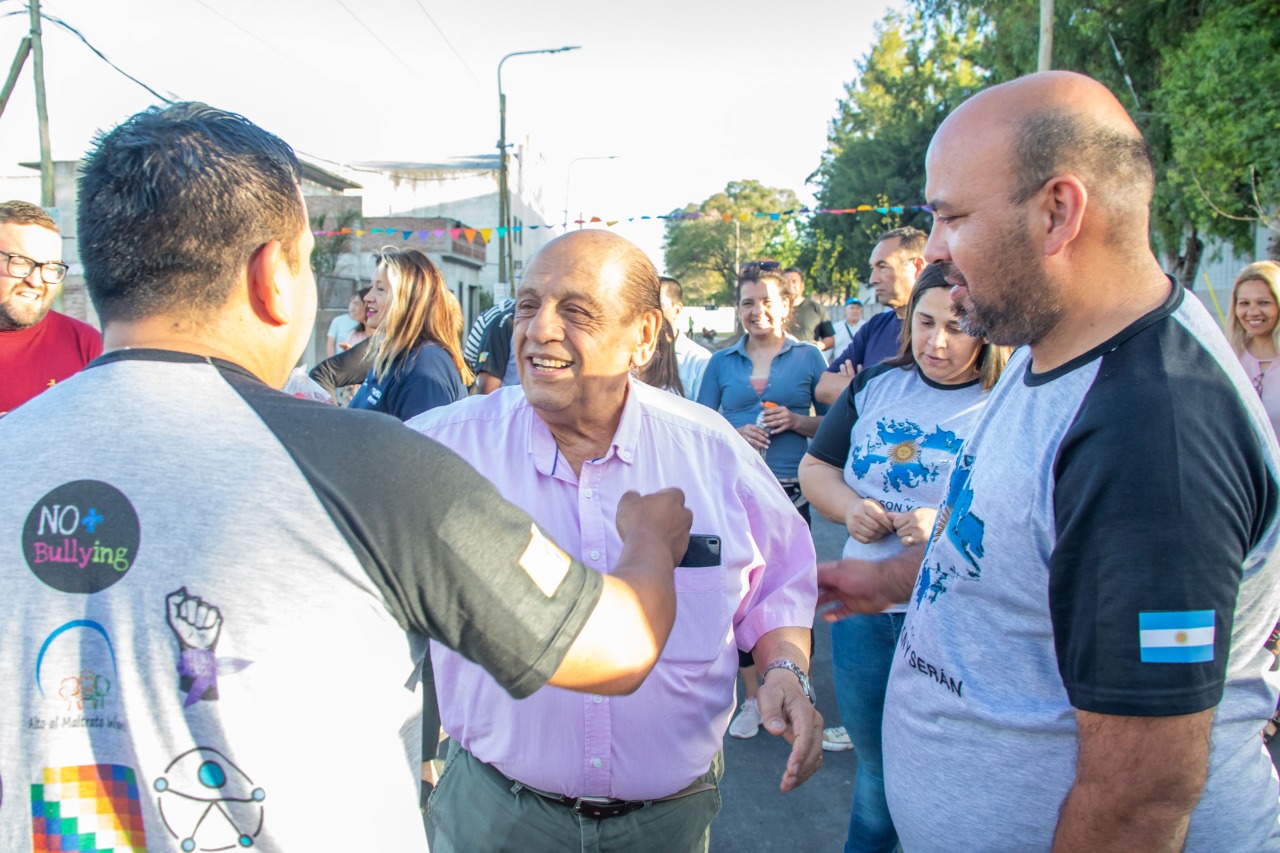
x,y
730,227
1218,92
1187,90
917,71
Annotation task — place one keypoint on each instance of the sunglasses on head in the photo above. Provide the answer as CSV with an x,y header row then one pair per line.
x,y
761,266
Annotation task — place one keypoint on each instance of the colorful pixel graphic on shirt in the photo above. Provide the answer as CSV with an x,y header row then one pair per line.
x,y
897,445
208,803
90,807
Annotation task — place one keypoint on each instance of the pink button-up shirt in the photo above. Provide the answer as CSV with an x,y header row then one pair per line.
x,y
662,737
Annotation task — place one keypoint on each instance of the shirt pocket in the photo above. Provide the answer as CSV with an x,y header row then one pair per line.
x,y
703,618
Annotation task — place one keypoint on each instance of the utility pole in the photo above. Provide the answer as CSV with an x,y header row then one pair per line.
x,y
24,47
42,108
1046,36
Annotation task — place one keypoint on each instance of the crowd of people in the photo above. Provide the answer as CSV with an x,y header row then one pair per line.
x,y
570,538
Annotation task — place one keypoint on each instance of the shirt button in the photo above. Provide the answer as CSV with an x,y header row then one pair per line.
x,y
586,493
595,555
597,763
597,699
626,454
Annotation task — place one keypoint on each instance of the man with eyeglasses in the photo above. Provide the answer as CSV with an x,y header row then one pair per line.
x,y
38,347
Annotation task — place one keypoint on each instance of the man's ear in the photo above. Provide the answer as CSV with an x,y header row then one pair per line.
x,y
1063,201
646,338
268,283
918,265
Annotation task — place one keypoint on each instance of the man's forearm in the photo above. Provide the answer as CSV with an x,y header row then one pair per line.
x,y
790,642
1097,818
829,387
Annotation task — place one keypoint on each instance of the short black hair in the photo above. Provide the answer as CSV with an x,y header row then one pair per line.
x,y
173,204
909,239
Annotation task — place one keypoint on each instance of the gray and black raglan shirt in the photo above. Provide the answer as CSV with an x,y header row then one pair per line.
x,y
214,599
1107,543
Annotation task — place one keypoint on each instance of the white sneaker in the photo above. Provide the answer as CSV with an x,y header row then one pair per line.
x,y
747,723
836,739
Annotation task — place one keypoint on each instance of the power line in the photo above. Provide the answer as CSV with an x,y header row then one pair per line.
x,y
449,43
375,38
242,29
103,56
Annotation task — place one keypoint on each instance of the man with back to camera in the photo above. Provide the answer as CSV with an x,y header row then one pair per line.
x,y
557,771
691,357
1091,613
39,347
895,262
209,614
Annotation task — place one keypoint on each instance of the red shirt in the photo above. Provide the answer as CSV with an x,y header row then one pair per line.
x,y
42,355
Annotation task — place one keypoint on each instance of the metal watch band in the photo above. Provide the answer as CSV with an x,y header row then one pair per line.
x,y
782,663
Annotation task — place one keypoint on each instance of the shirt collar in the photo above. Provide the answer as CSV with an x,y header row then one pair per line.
x,y
546,453
740,345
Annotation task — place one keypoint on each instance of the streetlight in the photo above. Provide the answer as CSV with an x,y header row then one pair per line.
x,y
505,267
568,174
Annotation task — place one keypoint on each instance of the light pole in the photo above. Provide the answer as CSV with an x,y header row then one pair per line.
x,y
568,175
505,266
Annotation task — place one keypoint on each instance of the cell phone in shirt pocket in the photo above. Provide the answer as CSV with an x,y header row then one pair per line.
x,y
703,552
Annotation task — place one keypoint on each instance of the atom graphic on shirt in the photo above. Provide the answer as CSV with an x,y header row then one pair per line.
x,y
209,803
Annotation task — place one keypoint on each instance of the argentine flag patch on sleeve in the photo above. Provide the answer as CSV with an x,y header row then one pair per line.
x,y
1176,636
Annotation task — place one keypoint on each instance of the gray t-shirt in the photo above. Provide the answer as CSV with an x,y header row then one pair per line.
x,y
1107,543
215,596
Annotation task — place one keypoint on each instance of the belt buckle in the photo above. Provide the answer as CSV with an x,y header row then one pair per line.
x,y
599,808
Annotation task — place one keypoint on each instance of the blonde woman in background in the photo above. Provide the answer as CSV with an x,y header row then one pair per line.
x,y
416,350
1254,332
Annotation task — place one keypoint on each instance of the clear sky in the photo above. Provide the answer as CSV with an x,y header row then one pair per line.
x,y
689,95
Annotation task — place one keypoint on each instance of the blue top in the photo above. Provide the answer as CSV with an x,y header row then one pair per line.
x,y
878,339
793,376
424,378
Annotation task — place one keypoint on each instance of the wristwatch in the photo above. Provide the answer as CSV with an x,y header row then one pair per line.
x,y
783,663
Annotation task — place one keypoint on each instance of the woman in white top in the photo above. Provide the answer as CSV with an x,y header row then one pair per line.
x,y
1254,333
879,465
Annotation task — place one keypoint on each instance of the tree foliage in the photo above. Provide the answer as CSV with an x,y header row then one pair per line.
x,y
704,252
1218,91
918,70
1197,76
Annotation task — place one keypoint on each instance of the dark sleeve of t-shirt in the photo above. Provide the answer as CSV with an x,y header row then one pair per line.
x,y
856,351
495,347
348,367
1160,492
824,330
831,442
436,538
429,379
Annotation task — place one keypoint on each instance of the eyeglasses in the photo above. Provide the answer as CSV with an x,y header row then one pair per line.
x,y
20,266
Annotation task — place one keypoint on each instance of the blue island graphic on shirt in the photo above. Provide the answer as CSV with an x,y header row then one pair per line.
x,y
896,447
963,530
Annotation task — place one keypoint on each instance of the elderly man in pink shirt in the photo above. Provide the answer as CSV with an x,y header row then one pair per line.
x,y
559,770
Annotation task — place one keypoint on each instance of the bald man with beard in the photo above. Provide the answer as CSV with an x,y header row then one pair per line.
x,y
1083,664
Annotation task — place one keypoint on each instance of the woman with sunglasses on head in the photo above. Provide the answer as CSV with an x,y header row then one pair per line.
x,y
879,465
1255,333
763,385
415,352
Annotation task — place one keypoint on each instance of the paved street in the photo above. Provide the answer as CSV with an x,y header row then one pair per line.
x,y
756,816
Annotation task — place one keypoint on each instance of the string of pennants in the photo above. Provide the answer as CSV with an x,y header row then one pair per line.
x,y
485,234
